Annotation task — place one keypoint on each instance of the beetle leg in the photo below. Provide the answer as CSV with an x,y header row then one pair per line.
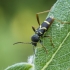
x,y
50,40
61,21
43,46
37,17
33,28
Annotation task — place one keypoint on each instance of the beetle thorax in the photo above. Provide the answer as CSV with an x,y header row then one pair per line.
x,y
35,38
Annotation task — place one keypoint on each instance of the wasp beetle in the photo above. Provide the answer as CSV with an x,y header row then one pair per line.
x,y
39,32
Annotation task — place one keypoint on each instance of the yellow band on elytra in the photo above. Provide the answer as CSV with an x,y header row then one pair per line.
x,y
47,22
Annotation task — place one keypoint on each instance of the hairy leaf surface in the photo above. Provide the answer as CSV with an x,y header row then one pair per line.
x,y
57,57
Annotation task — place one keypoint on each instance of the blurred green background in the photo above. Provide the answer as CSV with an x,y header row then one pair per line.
x,y
16,19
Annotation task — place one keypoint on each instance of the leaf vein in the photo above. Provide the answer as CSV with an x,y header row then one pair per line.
x,y
46,65
61,63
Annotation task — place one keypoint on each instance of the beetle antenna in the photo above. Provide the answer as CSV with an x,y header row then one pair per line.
x,y
21,42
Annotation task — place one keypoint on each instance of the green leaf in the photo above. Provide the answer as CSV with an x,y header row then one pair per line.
x,y
57,57
20,66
